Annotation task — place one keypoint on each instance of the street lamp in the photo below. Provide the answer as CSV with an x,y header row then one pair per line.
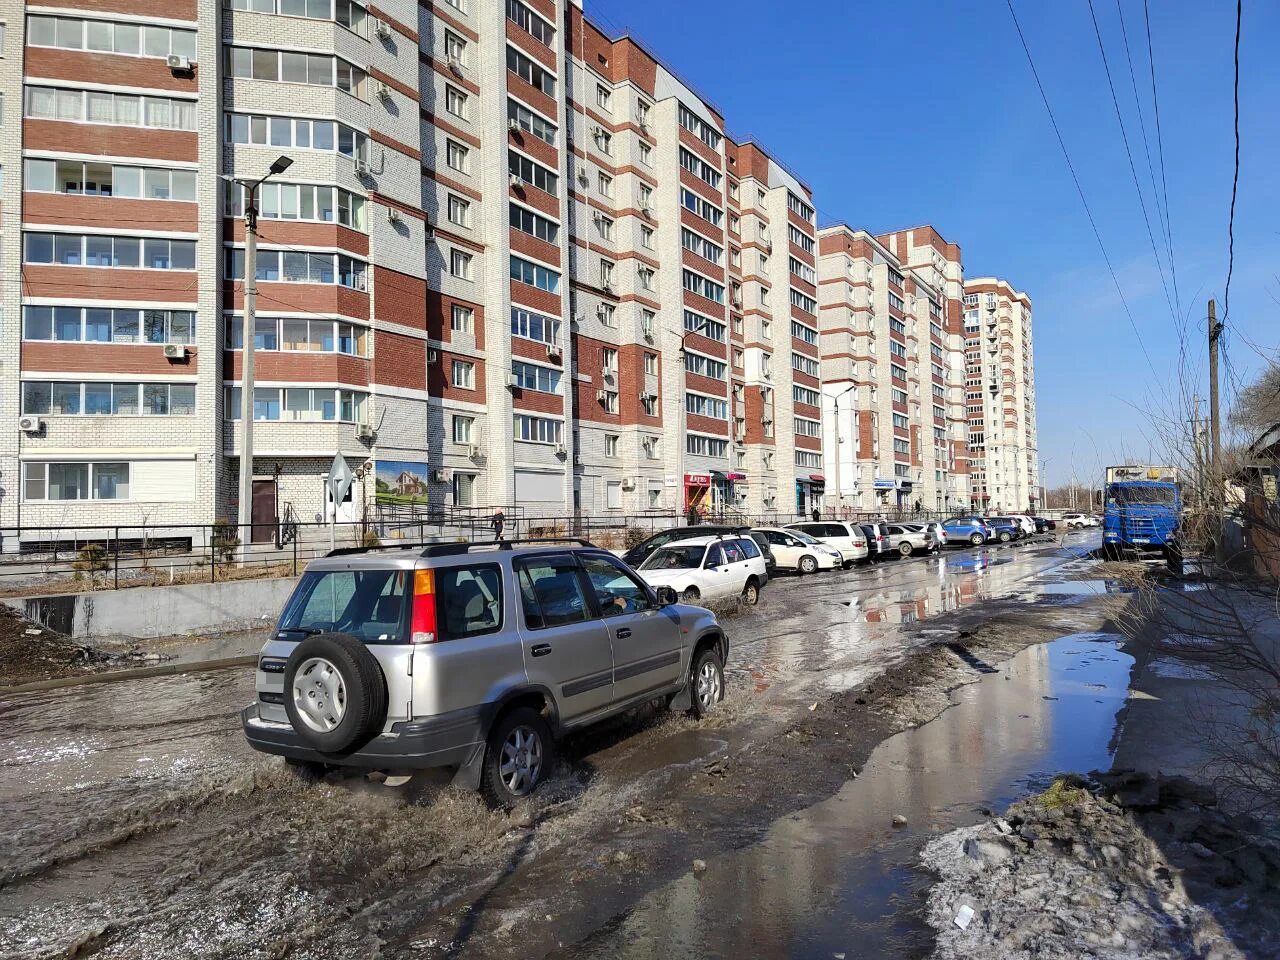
x,y
248,333
1044,490
835,401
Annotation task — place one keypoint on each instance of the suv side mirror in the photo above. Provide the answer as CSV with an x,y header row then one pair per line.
x,y
666,596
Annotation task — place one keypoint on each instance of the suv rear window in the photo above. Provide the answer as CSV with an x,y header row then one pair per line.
x,y
370,605
469,601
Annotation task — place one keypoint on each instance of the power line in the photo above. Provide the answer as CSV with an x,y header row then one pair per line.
x,y
1235,176
1083,200
1133,170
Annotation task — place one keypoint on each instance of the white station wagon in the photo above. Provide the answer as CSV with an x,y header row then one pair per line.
x,y
708,568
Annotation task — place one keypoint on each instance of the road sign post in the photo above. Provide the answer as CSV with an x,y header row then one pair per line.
x,y
338,482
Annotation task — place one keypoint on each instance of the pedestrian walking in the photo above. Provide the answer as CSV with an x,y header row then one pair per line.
x,y
499,521
817,514
691,515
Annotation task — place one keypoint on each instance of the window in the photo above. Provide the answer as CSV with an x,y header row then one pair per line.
x,y
699,127
799,207
896,301
103,325
646,197
531,377
75,250
801,394
646,237
895,277
551,592
535,275
532,23
801,332
104,36
532,429
696,283
803,270
701,246
604,226
899,396
704,366
650,364
94,398
800,239
108,180
646,153
455,48
700,446
455,101
702,208
897,372
457,156
699,168
536,75
900,422
604,98
299,404
534,326
531,122
704,406
609,360
299,334
610,444
649,404
645,276
897,349
604,141
287,66
804,302
901,446
604,184
764,296
463,375
897,326
297,266
117,109
607,313
75,481
807,428
459,211
297,133
300,201
529,172
460,264
808,460
803,364
462,319
463,429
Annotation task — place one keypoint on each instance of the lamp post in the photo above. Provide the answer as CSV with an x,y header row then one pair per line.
x,y
835,400
248,333
1044,490
681,418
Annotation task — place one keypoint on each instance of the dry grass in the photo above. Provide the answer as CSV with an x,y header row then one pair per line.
x,y
156,577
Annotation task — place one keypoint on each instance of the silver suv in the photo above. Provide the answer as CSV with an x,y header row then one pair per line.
x,y
475,656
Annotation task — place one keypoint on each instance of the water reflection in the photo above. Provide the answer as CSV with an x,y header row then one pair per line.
x,y
837,878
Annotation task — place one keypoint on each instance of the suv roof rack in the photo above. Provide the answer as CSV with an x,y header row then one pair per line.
x,y
449,549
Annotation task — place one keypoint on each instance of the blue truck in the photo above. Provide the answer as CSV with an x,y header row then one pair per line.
x,y
1143,513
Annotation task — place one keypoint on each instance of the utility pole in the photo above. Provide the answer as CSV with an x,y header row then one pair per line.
x,y
835,400
1215,440
248,334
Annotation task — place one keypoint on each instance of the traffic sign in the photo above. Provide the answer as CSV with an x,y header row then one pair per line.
x,y
339,480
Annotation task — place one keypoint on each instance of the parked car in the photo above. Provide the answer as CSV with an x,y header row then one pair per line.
x,y
637,554
906,539
1042,525
939,532
971,530
770,561
474,656
1025,523
708,568
877,533
1078,521
796,550
848,538
1005,529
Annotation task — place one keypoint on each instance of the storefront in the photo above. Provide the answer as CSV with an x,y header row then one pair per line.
x,y
697,492
810,493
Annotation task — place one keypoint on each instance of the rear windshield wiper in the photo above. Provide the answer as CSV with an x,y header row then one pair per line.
x,y
307,631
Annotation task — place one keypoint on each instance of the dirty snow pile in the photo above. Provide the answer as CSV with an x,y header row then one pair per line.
x,y
1127,866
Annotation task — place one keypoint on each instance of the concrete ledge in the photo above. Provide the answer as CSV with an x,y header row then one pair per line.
x,y
144,613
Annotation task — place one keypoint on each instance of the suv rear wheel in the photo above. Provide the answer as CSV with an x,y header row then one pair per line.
x,y
751,593
334,692
904,548
975,539
519,754
707,680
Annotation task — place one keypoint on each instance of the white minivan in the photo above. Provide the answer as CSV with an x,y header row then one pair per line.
x,y
708,568
796,550
848,538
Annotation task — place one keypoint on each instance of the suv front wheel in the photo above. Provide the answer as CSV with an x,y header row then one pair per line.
x,y
707,679
518,757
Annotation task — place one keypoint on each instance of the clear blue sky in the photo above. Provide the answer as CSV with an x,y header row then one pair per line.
x,y
900,112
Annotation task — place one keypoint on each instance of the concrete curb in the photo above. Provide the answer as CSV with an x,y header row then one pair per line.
x,y
136,673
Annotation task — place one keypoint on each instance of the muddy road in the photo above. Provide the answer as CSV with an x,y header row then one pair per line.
x,y
137,823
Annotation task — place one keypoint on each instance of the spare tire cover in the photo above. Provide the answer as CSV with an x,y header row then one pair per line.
x,y
334,692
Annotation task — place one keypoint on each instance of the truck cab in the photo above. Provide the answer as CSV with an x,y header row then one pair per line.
x,y
1143,512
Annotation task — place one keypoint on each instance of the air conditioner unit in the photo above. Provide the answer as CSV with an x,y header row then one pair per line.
x,y
439,475
516,181
513,381
30,424
602,312
606,286
175,351
602,395
766,422
473,451
514,125
455,65
767,374
362,167
178,63
606,376
553,352
432,355
647,395
382,29
736,301
647,332
393,215
647,210
365,432
583,178
561,450
381,90
628,483
768,245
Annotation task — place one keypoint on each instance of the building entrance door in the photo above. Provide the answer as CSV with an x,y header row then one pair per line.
x,y
263,517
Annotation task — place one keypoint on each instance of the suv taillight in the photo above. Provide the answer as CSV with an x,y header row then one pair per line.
x,y
422,625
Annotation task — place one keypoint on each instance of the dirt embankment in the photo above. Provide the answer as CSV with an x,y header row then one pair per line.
x,y
1122,866
31,652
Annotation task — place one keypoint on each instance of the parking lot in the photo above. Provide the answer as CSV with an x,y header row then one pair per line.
x,y
146,827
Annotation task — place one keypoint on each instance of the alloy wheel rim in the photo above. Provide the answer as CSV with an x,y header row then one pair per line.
x,y
521,760
319,694
708,685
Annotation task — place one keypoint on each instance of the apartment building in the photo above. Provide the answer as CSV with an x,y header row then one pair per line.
x,y
1000,395
892,416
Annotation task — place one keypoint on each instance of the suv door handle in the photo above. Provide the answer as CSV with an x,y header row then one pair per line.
x,y
623,633
540,649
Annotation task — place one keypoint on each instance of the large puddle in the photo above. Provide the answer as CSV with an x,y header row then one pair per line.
x,y
838,879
